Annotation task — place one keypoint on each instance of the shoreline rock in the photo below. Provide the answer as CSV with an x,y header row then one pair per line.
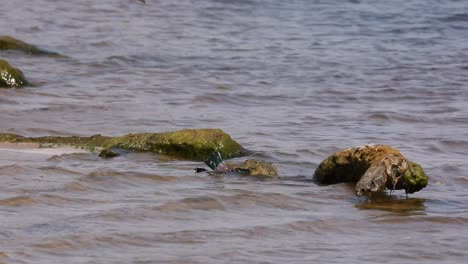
x,y
373,168
11,77
10,43
195,144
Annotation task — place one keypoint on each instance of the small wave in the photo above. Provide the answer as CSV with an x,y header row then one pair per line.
x,y
195,203
44,199
241,99
76,187
14,170
384,117
71,244
450,168
137,61
431,219
6,101
394,204
32,148
244,200
462,17
323,226
451,146
462,180
21,200
58,170
104,180
46,131
133,175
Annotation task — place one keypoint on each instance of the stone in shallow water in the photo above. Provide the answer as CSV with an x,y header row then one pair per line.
x,y
11,77
196,144
373,168
10,43
253,167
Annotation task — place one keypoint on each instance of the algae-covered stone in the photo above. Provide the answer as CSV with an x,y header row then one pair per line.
x,y
9,43
373,168
11,76
253,167
196,144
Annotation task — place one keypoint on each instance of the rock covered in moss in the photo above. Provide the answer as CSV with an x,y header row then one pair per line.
x,y
372,168
253,167
11,76
196,144
10,43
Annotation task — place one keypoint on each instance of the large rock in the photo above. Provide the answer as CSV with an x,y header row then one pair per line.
x,y
10,76
196,144
9,43
373,168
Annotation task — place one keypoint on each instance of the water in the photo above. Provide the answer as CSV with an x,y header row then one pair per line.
x,y
293,81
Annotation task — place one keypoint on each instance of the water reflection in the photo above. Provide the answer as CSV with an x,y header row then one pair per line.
x,y
393,203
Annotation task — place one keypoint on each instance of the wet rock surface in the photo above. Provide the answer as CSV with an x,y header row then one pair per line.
x,y
196,144
11,77
373,168
10,43
253,167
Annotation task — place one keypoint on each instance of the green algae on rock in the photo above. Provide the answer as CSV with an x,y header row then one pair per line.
x,y
253,167
372,168
11,76
249,167
196,144
10,43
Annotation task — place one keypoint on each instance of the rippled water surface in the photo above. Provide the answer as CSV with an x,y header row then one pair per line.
x,y
292,81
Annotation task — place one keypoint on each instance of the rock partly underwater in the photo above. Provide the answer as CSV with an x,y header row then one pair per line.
x,y
11,77
250,167
373,168
195,144
10,43
253,167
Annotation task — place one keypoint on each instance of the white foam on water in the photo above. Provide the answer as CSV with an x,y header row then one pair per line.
x,y
31,148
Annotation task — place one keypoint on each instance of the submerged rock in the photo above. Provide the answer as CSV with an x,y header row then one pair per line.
x,y
249,167
11,76
373,168
196,144
10,43
253,167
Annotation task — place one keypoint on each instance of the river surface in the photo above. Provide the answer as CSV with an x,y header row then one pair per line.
x,y
292,81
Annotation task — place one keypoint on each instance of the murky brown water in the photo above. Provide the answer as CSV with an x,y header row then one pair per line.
x,y
293,81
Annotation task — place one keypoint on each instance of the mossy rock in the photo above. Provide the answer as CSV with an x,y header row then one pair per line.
x,y
253,167
195,144
11,76
373,168
10,43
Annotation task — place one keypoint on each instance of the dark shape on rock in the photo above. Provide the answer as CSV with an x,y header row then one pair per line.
x,y
373,168
11,76
198,170
10,43
108,153
196,144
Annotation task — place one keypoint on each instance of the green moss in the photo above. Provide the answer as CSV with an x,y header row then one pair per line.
x,y
9,43
350,165
197,144
254,167
414,178
10,76
7,137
